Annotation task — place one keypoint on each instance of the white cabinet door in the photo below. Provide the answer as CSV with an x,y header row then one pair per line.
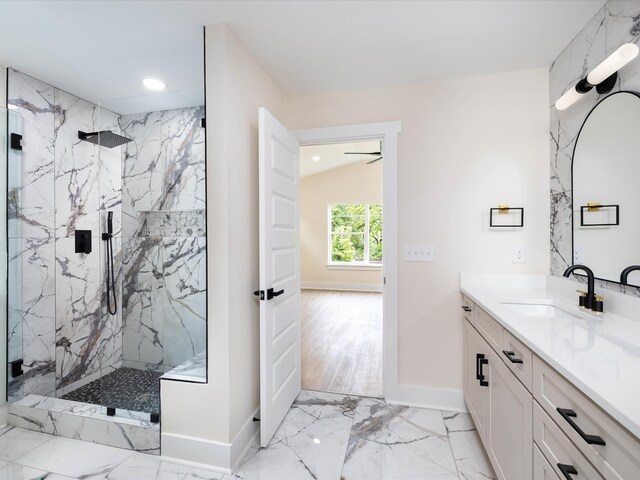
x,y
509,426
475,395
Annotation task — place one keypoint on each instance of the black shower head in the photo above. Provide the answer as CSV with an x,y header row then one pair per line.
x,y
105,138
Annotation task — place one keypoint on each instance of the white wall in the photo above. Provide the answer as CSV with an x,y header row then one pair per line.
x,y
209,423
466,145
357,182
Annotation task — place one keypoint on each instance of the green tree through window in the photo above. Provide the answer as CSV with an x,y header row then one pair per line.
x,y
356,233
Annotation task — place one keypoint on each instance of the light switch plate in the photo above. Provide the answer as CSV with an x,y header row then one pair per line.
x,y
419,253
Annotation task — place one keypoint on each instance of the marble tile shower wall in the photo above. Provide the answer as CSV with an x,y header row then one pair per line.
x,y
57,319
616,23
163,205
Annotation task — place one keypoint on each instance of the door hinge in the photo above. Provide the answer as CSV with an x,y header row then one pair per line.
x,y
259,293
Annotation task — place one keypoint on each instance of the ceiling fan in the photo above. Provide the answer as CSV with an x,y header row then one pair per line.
x,y
368,153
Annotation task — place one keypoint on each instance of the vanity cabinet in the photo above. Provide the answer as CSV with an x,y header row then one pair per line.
x,y
509,436
476,395
535,424
500,406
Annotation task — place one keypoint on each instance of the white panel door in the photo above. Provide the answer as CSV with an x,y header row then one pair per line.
x,y
280,377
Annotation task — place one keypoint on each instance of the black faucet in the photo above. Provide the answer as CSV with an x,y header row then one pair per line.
x,y
624,276
589,301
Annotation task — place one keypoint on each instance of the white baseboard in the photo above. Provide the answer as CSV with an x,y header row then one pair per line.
x,y
202,453
424,397
347,287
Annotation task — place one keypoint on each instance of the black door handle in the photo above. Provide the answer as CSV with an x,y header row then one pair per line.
x,y
483,382
567,414
479,356
511,356
466,309
271,293
567,470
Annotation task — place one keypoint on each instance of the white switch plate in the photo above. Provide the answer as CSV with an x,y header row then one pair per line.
x,y
419,253
519,254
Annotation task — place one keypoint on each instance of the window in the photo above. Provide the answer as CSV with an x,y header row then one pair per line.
x,y
355,234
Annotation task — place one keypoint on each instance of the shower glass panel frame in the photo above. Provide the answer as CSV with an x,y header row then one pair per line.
x,y
12,185
4,329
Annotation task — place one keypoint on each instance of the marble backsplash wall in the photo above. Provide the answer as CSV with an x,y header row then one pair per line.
x,y
164,245
618,22
57,319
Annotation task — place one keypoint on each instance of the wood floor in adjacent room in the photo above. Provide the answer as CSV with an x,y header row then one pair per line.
x,y
342,342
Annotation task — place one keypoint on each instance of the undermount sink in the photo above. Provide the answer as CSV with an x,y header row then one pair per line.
x,y
534,309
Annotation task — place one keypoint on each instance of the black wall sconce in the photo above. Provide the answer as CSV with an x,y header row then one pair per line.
x,y
503,209
596,207
603,77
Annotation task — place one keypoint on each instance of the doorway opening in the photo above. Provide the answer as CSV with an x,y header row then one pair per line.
x,y
341,267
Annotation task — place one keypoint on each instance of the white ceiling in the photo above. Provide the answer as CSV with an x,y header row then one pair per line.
x,y
101,50
332,156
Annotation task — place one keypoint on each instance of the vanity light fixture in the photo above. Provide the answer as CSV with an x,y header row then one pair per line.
x,y
154,84
316,158
603,77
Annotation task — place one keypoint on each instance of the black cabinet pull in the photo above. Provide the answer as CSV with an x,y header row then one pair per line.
x,y
271,294
511,356
483,382
567,414
479,356
466,309
567,470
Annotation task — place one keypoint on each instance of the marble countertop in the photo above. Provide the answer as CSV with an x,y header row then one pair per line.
x,y
599,354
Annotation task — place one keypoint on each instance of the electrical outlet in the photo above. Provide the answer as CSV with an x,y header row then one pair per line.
x,y
419,253
519,254
577,255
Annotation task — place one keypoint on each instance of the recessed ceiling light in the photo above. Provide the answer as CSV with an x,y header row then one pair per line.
x,y
316,158
154,84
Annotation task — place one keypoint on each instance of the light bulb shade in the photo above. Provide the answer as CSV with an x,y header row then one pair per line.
x,y
613,63
570,97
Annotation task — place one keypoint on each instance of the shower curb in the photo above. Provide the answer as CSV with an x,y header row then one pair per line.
x,y
86,422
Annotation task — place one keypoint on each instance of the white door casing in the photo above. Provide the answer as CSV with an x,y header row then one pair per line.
x,y
280,369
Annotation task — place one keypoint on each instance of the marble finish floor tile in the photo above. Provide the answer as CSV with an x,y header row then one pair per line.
x,y
324,436
391,442
468,452
124,388
15,443
75,458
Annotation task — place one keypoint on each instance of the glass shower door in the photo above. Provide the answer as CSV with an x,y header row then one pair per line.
x,y
13,293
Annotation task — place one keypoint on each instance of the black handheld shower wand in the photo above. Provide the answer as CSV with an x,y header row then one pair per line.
x,y
111,278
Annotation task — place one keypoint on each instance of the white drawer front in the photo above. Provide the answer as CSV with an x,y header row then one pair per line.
x,y
518,358
619,458
558,449
542,470
489,329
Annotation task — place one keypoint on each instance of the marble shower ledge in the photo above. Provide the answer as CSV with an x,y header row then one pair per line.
x,y
85,421
193,370
615,337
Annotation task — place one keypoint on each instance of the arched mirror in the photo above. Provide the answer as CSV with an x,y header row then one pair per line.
x,y
606,188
